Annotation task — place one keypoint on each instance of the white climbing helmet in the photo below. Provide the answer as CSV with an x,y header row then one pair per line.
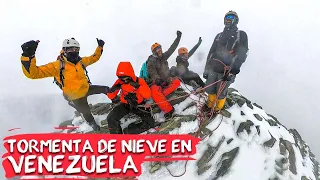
x,y
71,42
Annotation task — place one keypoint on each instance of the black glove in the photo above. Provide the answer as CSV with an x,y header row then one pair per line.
x,y
205,75
100,42
107,89
160,82
114,88
134,84
132,100
115,100
200,40
173,72
227,77
29,48
179,33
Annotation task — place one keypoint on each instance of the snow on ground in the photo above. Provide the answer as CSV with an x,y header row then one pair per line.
x,y
254,161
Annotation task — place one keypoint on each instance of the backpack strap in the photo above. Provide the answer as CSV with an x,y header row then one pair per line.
x,y
234,44
62,67
85,70
237,40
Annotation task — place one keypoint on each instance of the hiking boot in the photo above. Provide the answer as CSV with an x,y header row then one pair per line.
x,y
94,126
169,114
137,128
115,131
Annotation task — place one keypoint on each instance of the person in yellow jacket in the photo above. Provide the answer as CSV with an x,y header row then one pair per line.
x,y
69,72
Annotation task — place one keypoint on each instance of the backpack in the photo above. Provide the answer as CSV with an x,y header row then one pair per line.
x,y
237,40
144,72
62,67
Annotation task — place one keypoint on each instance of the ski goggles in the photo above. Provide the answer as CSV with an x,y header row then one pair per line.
x,y
124,78
230,16
72,49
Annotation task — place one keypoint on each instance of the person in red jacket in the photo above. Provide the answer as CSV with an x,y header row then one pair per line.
x,y
134,92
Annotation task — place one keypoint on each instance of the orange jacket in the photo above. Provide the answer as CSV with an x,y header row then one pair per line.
x,y
75,81
142,93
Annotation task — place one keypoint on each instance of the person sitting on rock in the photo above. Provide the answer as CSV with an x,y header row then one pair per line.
x,y
182,71
227,53
69,71
134,92
158,70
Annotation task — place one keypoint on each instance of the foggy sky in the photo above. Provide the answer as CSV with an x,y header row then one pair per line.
x,y
280,74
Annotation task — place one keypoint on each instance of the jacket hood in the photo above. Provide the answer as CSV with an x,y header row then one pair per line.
x,y
126,69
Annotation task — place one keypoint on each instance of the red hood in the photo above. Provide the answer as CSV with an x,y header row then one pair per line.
x,y
126,69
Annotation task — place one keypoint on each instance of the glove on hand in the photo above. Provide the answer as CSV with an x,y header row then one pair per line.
x,y
134,84
179,33
227,77
29,48
200,40
205,75
160,82
100,42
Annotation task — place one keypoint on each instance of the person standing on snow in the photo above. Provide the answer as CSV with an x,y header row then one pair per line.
x,y
182,71
69,71
134,92
229,50
158,70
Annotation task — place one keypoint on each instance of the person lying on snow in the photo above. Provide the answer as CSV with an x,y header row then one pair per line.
x,y
158,70
69,72
134,92
227,53
182,71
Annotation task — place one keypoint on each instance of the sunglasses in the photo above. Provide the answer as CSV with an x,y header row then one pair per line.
x,y
157,49
124,78
229,17
184,55
72,49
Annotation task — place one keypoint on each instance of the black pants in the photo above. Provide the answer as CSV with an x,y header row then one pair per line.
x,y
82,106
120,111
189,76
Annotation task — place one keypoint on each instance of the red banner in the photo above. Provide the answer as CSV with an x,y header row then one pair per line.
x,y
92,155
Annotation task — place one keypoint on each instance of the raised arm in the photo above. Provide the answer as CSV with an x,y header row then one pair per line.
x,y
173,47
28,62
114,90
191,52
87,61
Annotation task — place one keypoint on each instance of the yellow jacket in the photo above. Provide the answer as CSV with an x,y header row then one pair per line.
x,y
75,81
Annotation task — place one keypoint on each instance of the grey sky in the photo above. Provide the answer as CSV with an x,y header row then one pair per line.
x,y
280,73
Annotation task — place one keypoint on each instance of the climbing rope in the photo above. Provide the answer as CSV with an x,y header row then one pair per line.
x,y
201,115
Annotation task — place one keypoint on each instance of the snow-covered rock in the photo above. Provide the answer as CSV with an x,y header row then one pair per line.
x,y
244,142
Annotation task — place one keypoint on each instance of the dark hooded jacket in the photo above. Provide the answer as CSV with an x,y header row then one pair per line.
x,y
183,64
228,44
158,67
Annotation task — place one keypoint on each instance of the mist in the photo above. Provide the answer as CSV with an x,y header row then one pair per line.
x,y
279,74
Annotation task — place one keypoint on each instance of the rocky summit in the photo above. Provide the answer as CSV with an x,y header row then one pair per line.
x,y
243,142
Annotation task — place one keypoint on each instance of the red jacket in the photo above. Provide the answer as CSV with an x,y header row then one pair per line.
x,y
142,93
